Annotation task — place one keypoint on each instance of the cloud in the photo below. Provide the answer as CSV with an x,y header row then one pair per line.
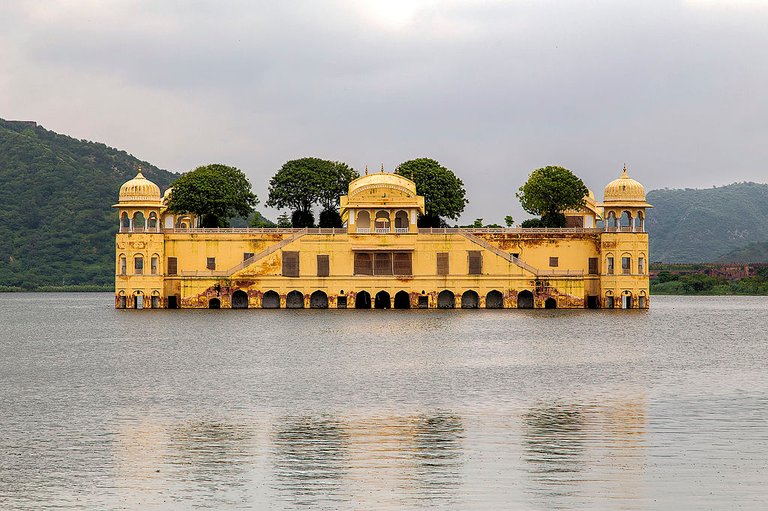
x,y
492,89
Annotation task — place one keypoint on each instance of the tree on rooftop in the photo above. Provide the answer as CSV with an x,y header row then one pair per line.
x,y
215,193
550,191
444,194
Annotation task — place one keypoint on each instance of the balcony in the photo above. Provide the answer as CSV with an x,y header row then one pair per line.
x,y
382,230
401,230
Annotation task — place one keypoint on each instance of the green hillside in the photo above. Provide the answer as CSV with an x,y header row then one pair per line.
x,y
752,253
704,225
56,224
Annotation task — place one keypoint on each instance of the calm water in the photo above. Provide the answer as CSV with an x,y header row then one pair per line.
x,y
105,409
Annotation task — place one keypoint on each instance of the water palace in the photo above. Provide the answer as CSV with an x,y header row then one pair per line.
x,y
380,258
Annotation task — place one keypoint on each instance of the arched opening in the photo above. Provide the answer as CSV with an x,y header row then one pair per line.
x,y
152,222
640,222
154,263
470,300
270,300
123,269
401,221
625,221
609,300
626,300
138,300
125,222
294,300
138,265
214,303
382,300
183,222
402,300
550,303
446,300
642,300
363,221
362,300
138,220
494,300
525,300
155,299
611,220
239,299
121,300
318,300
382,221
626,264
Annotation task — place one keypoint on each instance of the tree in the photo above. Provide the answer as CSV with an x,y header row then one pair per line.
x,y
301,184
444,194
284,221
551,190
215,193
509,221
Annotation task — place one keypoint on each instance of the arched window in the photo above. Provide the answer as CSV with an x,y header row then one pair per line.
x,y
611,220
138,220
138,265
123,265
625,221
125,222
640,222
609,265
152,222
401,221
626,264
641,264
363,221
382,221
154,263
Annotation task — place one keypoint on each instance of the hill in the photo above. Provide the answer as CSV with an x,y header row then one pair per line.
x,y
56,224
693,225
752,253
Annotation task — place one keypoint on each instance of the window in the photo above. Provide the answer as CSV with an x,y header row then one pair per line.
x,y
593,265
403,263
554,262
123,265
323,266
442,263
363,264
626,265
475,262
172,266
247,255
290,264
382,263
609,262
138,265
641,265
153,263
210,263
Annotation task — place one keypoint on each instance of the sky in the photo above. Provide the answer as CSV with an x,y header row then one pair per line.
x,y
493,89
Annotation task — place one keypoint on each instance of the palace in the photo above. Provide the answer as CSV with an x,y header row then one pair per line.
x,y
381,258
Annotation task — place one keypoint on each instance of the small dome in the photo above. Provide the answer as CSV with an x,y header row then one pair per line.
x,y
624,189
167,196
382,180
139,189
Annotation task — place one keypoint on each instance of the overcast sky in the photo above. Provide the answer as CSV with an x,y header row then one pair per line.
x,y
491,89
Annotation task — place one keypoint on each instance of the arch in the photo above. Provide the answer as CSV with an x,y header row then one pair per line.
x,y
470,300
138,220
318,300
626,300
155,299
125,221
123,265
610,222
239,299
214,303
625,221
525,300
642,300
183,222
446,300
138,300
270,300
626,263
154,264
382,300
362,300
402,300
609,302
550,303
138,264
401,219
294,300
494,300
152,221
382,220
363,220
609,263
640,222
121,300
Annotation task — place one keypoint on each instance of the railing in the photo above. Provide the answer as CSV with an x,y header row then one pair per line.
x,y
382,230
255,230
378,230
363,230
401,230
140,230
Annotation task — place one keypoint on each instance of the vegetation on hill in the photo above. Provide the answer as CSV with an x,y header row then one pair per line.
x,y
667,283
56,222
704,225
753,253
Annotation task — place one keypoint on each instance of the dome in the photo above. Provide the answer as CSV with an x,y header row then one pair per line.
x,y
167,196
139,190
382,180
624,189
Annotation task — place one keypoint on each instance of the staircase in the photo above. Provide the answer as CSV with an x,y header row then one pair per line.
x,y
499,252
264,253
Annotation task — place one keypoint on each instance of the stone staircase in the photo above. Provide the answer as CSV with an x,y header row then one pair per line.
x,y
499,252
264,253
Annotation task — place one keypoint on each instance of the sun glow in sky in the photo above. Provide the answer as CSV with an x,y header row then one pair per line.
x,y
392,14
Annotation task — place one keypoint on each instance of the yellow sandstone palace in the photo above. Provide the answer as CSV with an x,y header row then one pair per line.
x,y
381,258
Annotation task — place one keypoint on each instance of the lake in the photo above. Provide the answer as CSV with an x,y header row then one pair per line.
x,y
383,409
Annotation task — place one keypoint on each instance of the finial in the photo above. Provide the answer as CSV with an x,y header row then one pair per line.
x,y
366,170
382,167
139,175
624,174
